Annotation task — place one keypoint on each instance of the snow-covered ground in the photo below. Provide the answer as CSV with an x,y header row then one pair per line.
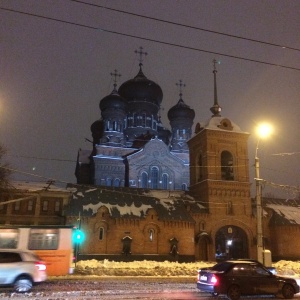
x,y
153,268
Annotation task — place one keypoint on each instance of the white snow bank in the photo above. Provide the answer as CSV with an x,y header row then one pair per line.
x,y
166,268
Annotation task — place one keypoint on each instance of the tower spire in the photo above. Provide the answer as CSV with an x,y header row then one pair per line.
x,y
216,108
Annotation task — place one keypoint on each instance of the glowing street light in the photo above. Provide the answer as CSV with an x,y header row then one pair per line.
x,y
263,131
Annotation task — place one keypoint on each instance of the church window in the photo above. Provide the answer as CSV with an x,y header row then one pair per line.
x,y
115,125
101,233
108,181
154,177
154,125
135,120
165,179
227,166
148,122
130,121
144,180
117,182
151,235
144,120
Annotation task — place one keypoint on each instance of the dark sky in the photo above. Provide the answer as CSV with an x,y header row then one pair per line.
x,y
54,74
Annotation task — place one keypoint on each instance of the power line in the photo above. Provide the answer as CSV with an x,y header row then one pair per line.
x,y
152,40
42,158
188,26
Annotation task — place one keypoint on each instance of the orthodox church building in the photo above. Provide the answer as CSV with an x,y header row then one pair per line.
x,y
187,199
131,147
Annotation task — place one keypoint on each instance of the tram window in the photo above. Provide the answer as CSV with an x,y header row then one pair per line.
x,y
9,238
43,239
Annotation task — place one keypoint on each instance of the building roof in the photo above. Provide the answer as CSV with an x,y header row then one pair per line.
x,y
285,212
129,202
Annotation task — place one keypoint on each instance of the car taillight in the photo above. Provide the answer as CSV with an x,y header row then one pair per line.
x,y
40,266
214,280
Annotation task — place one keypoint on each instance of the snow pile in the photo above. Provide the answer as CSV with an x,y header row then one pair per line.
x,y
139,268
166,268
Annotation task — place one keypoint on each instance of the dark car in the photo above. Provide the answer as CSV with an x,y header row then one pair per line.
x,y
235,278
271,269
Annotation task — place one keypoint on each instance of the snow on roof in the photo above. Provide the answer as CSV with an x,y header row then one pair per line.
x,y
129,202
215,123
131,210
285,214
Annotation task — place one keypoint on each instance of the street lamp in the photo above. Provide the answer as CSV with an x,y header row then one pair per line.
x,y
264,130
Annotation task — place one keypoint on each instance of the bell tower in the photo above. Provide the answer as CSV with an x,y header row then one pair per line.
x,y
219,165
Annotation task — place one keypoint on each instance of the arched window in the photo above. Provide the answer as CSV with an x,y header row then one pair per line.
x,y
101,233
151,235
117,182
154,177
108,181
227,166
144,180
184,187
165,179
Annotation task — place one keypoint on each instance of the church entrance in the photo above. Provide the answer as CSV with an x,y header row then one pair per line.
x,y
231,243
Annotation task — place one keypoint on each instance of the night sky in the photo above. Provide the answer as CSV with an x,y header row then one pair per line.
x,y
53,74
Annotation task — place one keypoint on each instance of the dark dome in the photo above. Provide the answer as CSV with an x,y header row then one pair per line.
x,y
113,101
181,110
141,88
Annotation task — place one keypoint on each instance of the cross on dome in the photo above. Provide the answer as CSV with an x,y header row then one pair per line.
x,y
141,53
181,86
115,75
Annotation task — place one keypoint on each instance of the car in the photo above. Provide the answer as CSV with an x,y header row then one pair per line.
x,y
21,269
235,278
271,269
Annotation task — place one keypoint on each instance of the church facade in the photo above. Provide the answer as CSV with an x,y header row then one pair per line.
x,y
131,147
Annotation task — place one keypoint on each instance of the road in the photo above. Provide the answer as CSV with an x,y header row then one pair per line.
x,y
115,289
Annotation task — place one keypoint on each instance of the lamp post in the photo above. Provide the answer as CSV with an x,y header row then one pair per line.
x,y
263,130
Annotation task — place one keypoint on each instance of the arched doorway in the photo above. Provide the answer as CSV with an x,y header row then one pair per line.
x,y
231,242
202,242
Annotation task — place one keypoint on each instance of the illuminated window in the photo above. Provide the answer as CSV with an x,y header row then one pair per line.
x,y
46,239
151,235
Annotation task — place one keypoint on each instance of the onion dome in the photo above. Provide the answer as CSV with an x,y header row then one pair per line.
x,y
113,101
181,111
140,88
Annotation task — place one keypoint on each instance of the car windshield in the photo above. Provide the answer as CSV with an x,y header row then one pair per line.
x,y
222,266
